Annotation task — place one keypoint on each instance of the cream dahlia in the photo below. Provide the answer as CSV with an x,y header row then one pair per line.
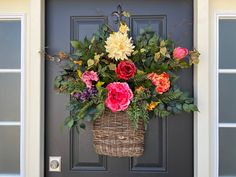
x,y
119,46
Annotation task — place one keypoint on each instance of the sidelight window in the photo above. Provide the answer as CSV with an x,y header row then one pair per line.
x,y
11,95
226,95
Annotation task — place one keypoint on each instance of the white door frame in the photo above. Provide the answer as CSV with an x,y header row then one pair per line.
x,y
34,142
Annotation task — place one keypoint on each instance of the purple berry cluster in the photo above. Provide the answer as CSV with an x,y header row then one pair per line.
x,y
86,94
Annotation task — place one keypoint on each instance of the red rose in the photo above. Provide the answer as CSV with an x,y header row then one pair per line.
x,y
125,70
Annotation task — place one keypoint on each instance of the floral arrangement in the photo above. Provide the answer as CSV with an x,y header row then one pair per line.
x,y
111,71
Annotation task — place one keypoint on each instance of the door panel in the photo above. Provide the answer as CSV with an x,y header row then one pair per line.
x,y
168,142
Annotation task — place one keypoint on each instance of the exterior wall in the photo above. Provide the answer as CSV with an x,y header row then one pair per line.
x,y
14,6
222,5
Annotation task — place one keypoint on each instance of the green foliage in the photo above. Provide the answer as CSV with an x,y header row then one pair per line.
x,y
157,55
174,101
170,96
137,109
161,113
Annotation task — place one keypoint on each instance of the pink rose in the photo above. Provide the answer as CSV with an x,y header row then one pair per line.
x,y
125,70
119,96
88,77
179,53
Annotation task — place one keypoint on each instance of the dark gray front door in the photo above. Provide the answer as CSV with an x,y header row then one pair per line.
x,y
168,142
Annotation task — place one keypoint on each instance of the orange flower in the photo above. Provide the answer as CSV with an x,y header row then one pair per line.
x,y
78,62
152,105
140,89
162,82
62,55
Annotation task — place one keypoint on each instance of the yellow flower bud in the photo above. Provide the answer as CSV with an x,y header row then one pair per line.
x,y
123,28
79,73
152,105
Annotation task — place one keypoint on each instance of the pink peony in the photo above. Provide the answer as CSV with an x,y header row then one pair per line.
x,y
179,53
119,96
88,77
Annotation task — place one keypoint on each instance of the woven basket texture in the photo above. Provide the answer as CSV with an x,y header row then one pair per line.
x,y
115,136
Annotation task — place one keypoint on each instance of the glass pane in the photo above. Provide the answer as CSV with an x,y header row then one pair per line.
x,y
10,44
227,44
227,150
227,98
9,97
9,149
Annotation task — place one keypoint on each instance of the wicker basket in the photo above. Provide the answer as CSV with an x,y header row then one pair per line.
x,y
114,135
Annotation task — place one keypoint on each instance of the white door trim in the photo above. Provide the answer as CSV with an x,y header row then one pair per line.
x,y
35,93
34,125
202,161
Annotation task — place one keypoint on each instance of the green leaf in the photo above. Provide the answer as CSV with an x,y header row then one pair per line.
x,y
112,66
183,64
83,110
171,96
86,41
148,61
78,53
90,63
188,100
163,51
161,106
169,108
99,84
193,107
82,125
175,110
70,123
76,44
179,106
189,107
153,40
90,114
142,50
104,28
157,56
194,57
101,107
164,67
162,43
142,31
186,108
161,113
57,82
